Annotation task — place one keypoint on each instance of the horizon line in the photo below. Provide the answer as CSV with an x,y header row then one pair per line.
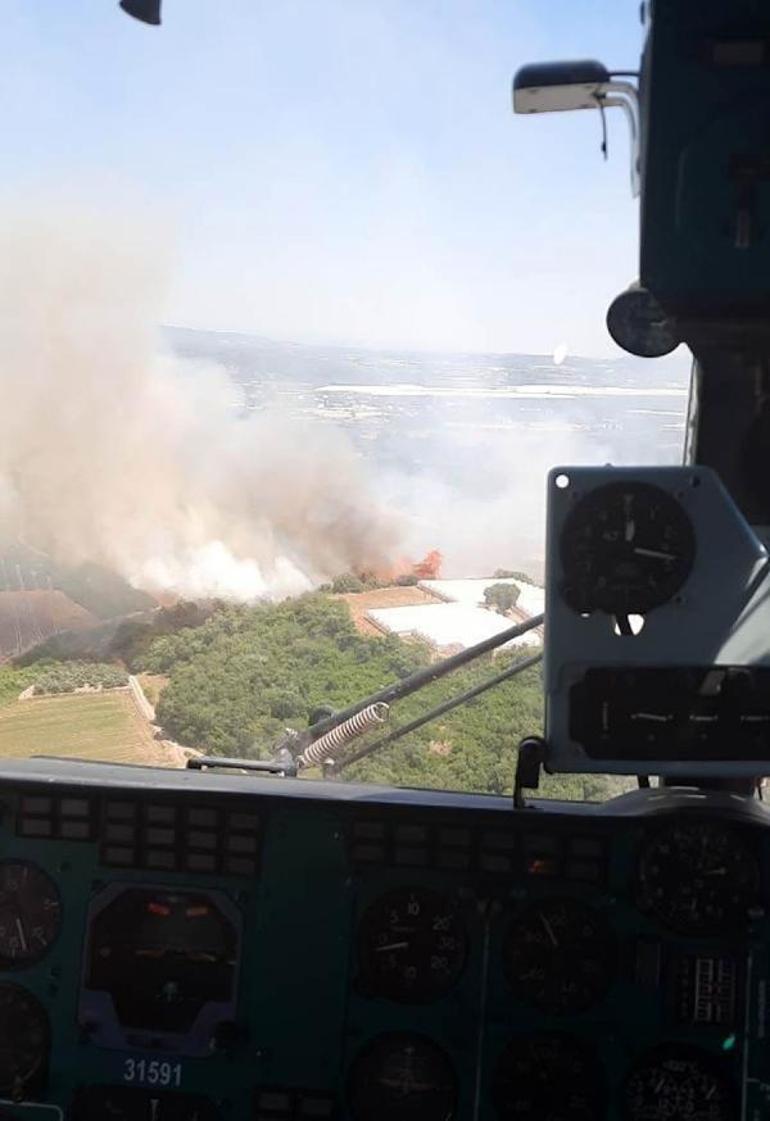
x,y
394,348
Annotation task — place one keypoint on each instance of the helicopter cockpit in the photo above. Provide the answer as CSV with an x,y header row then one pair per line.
x,y
233,942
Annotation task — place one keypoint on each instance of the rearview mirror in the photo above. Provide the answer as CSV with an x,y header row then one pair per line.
x,y
557,87
148,11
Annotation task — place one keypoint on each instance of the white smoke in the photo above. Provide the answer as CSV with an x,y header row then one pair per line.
x,y
560,353
111,451
494,518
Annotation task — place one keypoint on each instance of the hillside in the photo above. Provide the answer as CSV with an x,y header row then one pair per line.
x,y
229,680
104,593
41,598
28,618
236,682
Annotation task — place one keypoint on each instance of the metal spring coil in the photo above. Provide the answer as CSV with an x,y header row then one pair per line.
x,y
326,745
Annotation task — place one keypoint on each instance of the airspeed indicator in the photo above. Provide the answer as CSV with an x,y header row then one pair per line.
x,y
411,946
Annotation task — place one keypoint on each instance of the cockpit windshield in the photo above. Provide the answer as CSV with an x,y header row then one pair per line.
x,y
295,320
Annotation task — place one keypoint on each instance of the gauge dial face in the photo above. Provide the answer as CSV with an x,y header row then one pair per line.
x,y
24,1034
559,956
678,1083
698,878
30,913
162,955
404,1076
625,549
548,1077
411,946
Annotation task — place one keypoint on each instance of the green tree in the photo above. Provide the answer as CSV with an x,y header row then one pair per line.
x,y
347,582
67,676
502,597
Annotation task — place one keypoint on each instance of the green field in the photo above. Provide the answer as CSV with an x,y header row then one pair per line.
x,y
102,726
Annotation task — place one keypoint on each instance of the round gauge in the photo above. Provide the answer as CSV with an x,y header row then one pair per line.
x,y
559,956
411,946
548,1077
30,912
698,877
405,1076
162,956
639,324
24,1035
625,549
675,1082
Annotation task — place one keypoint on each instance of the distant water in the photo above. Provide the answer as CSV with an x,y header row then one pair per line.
x,y
466,439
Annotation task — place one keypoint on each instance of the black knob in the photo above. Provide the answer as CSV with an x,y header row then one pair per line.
x,y
227,1035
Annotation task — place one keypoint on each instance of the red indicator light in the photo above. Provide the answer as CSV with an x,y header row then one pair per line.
x,y
541,866
158,909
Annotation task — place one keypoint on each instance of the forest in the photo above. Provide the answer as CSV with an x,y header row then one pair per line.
x,y
243,676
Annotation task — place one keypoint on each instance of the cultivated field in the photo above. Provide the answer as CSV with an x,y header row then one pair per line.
x,y
361,602
27,618
103,726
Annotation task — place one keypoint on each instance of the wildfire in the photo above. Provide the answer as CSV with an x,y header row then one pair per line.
x,y
407,571
429,568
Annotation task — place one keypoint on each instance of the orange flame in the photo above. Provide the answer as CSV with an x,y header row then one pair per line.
x,y
429,568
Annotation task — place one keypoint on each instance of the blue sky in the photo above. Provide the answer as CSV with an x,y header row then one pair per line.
x,y
338,170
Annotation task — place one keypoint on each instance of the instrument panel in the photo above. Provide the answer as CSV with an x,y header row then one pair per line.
x,y
656,601
184,946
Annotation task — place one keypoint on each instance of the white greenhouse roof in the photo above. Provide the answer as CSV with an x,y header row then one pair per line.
x,y
470,593
448,624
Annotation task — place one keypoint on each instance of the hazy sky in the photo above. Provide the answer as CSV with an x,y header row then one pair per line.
x,y
339,170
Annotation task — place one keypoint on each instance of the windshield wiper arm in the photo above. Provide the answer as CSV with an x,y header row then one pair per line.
x,y
417,680
282,765
439,710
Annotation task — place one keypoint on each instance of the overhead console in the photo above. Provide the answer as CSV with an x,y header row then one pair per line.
x,y
185,946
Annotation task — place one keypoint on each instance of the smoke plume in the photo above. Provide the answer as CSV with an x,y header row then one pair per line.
x,y
114,452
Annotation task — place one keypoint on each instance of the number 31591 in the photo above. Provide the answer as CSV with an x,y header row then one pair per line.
x,y
152,1072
